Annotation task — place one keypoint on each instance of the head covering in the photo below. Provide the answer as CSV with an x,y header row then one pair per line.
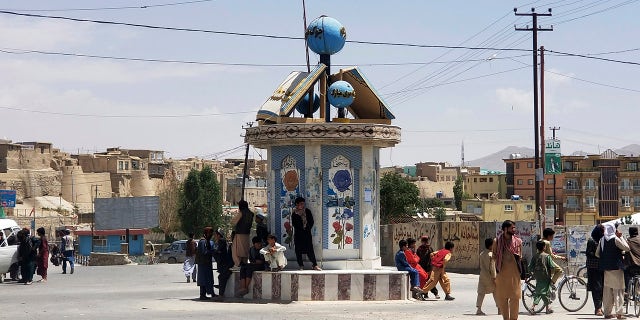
x,y
514,246
597,233
424,238
609,232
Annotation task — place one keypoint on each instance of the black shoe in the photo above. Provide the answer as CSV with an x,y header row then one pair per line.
x,y
204,298
449,298
64,272
71,270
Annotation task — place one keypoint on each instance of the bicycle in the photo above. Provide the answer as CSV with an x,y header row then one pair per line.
x,y
634,295
582,272
572,293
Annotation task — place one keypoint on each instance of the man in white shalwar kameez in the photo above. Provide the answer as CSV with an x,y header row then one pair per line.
x,y
610,251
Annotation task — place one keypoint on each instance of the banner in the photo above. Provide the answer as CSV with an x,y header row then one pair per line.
x,y
7,198
552,157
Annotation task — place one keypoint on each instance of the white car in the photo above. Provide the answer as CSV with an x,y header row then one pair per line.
x,y
8,254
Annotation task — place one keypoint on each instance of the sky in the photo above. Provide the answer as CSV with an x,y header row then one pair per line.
x,y
197,105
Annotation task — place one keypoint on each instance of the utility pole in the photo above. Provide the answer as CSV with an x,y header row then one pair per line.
x,y
543,183
246,159
538,175
93,219
555,205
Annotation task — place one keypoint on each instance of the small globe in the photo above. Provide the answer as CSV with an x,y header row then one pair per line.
x,y
341,94
303,105
325,35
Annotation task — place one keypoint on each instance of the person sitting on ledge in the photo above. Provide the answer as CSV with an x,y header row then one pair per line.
x,y
403,265
274,254
256,263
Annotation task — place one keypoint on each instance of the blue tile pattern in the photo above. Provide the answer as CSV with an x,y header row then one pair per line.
x,y
278,153
354,154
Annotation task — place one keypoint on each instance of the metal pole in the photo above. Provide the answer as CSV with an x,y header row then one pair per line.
x,y
542,165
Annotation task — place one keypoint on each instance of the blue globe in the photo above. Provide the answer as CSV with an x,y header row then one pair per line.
x,y
303,105
341,94
325,35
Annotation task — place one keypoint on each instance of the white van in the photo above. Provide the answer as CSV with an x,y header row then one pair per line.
x,y
8,254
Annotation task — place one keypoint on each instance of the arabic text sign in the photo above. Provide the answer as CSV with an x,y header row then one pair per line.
x,y
8,198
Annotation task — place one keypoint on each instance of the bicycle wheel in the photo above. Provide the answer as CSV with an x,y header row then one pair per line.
x,y
528,289
572,293
582,272
635,291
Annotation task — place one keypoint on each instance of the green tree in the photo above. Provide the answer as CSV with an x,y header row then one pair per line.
x,y
440,214
200,201
431,203
458,193
397,196
169,194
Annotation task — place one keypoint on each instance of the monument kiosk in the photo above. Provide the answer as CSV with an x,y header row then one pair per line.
x,y
333,162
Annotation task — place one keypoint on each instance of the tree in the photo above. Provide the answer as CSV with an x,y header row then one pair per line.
x,y
440,214
458,193
200,201
169,193
397,196
431,203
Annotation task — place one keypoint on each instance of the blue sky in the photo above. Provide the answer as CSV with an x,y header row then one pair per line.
x,y
440,97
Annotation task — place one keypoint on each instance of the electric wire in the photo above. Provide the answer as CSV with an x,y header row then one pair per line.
x,y
125,116
170,4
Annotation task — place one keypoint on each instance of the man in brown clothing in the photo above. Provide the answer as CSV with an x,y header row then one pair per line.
x,y
633,257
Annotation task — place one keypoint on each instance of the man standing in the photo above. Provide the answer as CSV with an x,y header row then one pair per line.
x,y
242,222
205,267
302,221
507,253
632,260
223,262
610,253
67,251
189,266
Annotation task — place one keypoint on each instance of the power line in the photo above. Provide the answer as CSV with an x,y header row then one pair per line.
x,y
68,54
113,8
466,130
593,82
126,116
592,57
244,34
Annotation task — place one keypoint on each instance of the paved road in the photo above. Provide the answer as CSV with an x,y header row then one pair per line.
x,y
160,292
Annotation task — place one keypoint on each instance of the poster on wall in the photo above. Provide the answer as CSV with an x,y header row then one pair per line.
x,y
290,177
340,204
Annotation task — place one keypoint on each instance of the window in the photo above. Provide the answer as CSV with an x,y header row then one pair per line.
x,y
508,207
517,165
625,201
636,202
590,201
490,179
120,165
475,179
483,179
636,184
572,203
550,181
528,207
625,184
126,165
530,181
529,164
520,182
571,184
590,184
567,166
632,166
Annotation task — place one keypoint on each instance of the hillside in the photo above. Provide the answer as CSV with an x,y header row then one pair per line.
x,y
495,161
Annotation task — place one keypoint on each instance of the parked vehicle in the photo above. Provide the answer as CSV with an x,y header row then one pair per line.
x,y
174,253
8,253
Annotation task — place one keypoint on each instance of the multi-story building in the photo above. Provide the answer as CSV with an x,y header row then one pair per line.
x,y
486,185
591,188
442,171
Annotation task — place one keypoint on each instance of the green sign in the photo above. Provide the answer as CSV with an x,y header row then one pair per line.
x,y
552,163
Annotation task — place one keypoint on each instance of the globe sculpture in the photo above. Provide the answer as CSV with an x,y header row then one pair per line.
x,y
341,94
303,106
325,35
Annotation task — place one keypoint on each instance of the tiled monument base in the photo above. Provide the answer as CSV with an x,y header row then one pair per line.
x,y
326,285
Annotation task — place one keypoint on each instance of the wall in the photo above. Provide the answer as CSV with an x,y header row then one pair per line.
x,y
468,239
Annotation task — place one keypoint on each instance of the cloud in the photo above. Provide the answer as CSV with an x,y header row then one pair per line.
x,y
42,34
515,99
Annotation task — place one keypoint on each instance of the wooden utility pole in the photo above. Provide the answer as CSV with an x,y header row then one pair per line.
x,y
539,175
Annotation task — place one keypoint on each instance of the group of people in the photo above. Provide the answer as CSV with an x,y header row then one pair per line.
x,y
33,256
425,266
612,261
263,253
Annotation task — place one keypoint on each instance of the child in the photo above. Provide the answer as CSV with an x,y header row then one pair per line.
x,y
486,281
403,265
439,261
547,237
274,254
543,269
256,263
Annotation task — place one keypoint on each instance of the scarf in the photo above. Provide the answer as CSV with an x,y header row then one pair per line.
x,y
609,233
303,215
512,246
